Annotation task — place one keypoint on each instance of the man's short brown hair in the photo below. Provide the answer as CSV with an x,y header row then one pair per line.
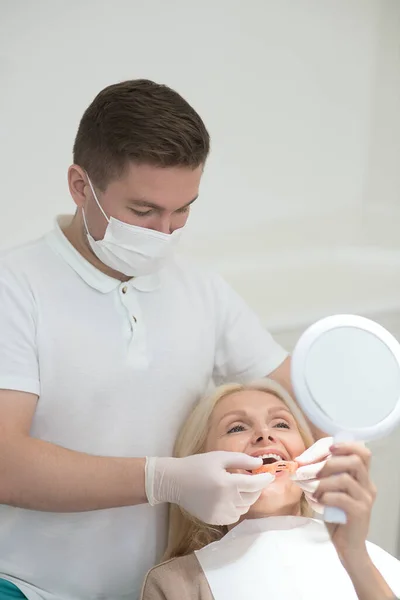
x,y
138,121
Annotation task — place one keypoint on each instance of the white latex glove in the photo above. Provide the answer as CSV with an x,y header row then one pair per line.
x,y
201,485
311,462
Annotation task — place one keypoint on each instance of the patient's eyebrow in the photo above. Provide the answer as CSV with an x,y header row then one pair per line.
x,y
237,413
243,413
277,409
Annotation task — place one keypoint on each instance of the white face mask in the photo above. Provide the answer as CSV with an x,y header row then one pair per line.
x,y
131,250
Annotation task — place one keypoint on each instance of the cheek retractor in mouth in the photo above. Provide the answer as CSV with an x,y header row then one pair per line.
x,y
277,467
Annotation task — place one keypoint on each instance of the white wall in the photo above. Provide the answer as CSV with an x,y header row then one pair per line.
x,y
382,184
286,89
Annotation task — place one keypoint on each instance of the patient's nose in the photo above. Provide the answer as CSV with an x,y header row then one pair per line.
x,y
270,438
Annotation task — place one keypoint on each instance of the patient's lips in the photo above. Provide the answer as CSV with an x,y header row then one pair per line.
x,y
276,466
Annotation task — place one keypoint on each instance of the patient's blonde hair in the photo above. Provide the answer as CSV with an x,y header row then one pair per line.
x,y
186,533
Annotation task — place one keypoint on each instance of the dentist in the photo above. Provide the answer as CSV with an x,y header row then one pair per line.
x,y
106,341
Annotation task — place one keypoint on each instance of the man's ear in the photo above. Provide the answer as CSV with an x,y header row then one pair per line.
x,y
77,183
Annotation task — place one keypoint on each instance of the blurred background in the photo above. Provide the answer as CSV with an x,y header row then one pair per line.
x,y
300,204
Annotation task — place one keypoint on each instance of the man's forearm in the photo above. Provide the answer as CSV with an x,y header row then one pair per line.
x,y
367,580
41,476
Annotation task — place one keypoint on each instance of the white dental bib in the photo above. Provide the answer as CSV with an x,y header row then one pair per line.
x,y
282,558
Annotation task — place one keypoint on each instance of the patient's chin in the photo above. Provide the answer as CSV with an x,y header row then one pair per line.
x,y
281,497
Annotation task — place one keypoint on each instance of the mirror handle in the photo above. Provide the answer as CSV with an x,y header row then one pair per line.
x,y
332,514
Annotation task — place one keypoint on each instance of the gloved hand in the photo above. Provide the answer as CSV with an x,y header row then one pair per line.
x,y
201,485
311,462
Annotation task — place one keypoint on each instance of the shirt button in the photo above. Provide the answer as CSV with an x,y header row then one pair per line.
x,y
124,289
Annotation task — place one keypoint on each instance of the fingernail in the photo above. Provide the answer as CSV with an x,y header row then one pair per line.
x,y
334,447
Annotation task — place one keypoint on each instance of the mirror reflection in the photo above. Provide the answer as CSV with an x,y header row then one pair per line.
x,y
353,376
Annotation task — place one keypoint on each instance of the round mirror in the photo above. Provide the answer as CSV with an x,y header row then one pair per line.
x,y
346,376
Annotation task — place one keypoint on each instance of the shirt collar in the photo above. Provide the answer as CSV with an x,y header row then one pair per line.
x,y
88,272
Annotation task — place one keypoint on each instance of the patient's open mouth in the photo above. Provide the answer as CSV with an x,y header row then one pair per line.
x,y
273,463
269,459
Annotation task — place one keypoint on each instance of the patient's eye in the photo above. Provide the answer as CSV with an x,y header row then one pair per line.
x,y
236,428
282,425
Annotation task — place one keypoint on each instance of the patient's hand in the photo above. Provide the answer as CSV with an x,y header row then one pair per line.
x,y
345,482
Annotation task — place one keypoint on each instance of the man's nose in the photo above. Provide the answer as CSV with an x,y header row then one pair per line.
x,y
164,225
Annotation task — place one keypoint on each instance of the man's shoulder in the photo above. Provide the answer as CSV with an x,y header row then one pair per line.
x,y
24,253
21,262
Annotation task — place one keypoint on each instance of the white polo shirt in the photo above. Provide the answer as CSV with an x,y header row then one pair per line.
x,y
117,367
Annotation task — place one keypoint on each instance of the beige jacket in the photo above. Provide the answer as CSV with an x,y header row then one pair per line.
x,y
177,579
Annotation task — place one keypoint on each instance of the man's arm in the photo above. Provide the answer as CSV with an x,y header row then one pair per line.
x,y
41,476
282,375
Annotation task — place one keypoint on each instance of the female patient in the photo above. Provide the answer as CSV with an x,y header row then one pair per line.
x,y
277,551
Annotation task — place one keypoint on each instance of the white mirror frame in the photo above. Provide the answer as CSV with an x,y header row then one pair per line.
x,y
298,369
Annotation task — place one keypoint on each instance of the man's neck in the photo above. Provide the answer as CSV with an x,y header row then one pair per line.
x,y
74,232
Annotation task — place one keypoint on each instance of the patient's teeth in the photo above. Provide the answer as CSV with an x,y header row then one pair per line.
x,y
275,456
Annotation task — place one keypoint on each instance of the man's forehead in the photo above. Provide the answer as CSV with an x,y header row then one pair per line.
x,y
146,186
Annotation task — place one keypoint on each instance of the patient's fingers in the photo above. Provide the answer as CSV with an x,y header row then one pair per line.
x,y
353,448
343,483
352,464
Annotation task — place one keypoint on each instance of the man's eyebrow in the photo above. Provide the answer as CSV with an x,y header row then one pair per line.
x,y
147,204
